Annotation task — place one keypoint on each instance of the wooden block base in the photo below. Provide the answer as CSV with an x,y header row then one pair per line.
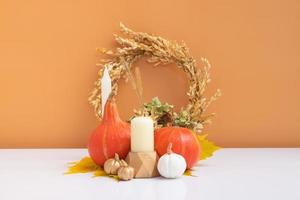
x,y
144,164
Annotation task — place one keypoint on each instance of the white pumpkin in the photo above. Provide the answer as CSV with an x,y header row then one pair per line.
x,y
171,165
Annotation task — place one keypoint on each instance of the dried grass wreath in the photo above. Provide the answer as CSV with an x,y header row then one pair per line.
x,y
158,51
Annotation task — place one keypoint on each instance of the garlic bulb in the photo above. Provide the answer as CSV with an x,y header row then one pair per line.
x,y
171,165
125,172
111,166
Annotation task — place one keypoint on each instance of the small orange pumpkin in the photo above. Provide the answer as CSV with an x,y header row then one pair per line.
x,y
111,137
184,143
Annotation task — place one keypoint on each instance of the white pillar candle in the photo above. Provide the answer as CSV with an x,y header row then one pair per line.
x,y
142,134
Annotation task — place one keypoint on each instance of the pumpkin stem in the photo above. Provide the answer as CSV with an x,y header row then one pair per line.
x,y
111,111
169,149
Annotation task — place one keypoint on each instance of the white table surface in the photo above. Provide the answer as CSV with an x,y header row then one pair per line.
x,y
233,174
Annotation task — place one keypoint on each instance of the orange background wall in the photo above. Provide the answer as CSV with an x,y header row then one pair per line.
x,y
47,66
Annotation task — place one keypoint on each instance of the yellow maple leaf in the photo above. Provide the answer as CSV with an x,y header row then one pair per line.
x,y
188,172
208,148
85,165
101,172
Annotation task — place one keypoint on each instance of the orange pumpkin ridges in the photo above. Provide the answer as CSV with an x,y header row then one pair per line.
x,y
110,137
183,140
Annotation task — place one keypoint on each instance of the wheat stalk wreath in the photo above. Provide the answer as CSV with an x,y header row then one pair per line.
x,y
158,51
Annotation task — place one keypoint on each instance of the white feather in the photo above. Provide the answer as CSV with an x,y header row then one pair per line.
x,y
105,87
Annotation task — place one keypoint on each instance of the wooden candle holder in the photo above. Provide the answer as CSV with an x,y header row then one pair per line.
x,y
144,164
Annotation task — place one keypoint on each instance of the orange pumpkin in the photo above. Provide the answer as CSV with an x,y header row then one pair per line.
x,y
184,143
111,137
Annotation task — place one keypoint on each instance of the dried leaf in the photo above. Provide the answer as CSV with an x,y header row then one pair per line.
x,y
188,172
208,148
99,172
85,165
